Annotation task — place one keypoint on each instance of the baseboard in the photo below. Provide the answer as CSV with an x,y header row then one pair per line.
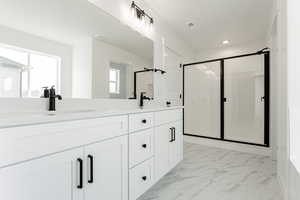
x,y
229,145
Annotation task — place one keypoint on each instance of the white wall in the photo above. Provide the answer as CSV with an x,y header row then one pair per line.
x,y
173,78
284,41
27,41
103,54
279,94
293,139
82,69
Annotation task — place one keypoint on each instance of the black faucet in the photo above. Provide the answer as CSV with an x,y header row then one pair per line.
x,y
142,98
52,97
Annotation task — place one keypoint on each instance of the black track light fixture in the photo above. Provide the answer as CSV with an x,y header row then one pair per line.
x,y
140,13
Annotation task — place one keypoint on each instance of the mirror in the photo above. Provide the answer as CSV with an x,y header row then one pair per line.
x,y
73,45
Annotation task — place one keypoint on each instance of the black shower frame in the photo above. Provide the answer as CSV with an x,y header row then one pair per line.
x,y
266,54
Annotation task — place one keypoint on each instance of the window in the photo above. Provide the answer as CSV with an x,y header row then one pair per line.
x,y
28,72
114,81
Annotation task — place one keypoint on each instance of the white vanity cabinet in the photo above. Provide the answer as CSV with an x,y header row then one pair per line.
x,y
107,170
115,157
46,169
97,170
141,153
162,140
48,178
168,141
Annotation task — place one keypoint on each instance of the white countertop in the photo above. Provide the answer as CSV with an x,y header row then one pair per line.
x,y
10,120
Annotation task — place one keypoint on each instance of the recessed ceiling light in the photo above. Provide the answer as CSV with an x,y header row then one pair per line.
x,y
225,42
190,24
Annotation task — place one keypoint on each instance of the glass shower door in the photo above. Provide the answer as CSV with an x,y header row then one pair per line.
x,y
202,100
244,99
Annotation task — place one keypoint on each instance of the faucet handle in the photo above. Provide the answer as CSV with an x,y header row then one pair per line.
x,y
46,92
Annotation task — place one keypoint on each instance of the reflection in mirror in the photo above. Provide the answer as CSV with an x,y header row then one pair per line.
x,y
24,73
91,56
121,59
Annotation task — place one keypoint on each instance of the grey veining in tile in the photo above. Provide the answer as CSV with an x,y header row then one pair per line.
x,y
208,173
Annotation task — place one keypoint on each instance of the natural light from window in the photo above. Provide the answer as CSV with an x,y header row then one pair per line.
x,y
23,73
114,81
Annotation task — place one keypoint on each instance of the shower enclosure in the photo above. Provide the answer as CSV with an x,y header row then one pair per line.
x,y
228,98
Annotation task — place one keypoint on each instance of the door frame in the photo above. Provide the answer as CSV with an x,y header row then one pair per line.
x,y
266,53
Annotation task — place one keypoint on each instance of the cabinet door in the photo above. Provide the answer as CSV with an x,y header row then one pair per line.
x,y
107,170
176,147
48,178
163,136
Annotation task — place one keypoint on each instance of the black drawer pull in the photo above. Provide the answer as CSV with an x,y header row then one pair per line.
x,y
171,134
80,185
144,121
144,146
144,178
174,133
91,178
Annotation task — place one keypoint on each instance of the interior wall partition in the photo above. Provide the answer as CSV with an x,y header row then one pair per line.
x,y
228,98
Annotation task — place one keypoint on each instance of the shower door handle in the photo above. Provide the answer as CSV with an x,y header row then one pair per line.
x,y
262,99
224,99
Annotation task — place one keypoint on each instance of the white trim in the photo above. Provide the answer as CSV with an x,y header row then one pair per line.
x,y
229,145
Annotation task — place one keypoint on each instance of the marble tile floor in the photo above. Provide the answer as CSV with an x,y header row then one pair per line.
x,y
208,173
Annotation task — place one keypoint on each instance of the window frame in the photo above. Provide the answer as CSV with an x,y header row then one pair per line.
x,y
28,68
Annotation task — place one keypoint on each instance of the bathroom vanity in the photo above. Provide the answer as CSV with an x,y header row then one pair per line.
x,y
87,156
95,62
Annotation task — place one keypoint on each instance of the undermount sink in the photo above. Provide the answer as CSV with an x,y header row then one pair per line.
x,y
52,113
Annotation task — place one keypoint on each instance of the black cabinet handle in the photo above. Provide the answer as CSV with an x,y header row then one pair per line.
x,y
171,134
144,146
174,133
144,121
144,178
80,185
91,178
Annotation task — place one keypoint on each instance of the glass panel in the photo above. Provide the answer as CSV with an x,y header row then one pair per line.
x,y
244,91
113,75
44,72
9,81
112,87
121,90
202,99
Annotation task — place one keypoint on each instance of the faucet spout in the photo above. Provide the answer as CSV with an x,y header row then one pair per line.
x,y
142,98
52,99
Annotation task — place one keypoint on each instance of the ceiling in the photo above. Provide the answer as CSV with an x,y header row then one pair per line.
x,y
238,21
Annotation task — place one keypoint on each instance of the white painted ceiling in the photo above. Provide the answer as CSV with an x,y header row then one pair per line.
x,y
239,21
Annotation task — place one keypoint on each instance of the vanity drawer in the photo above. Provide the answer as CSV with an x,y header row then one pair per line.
x,y
167,116
27,142
141,146
140,121
141,178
